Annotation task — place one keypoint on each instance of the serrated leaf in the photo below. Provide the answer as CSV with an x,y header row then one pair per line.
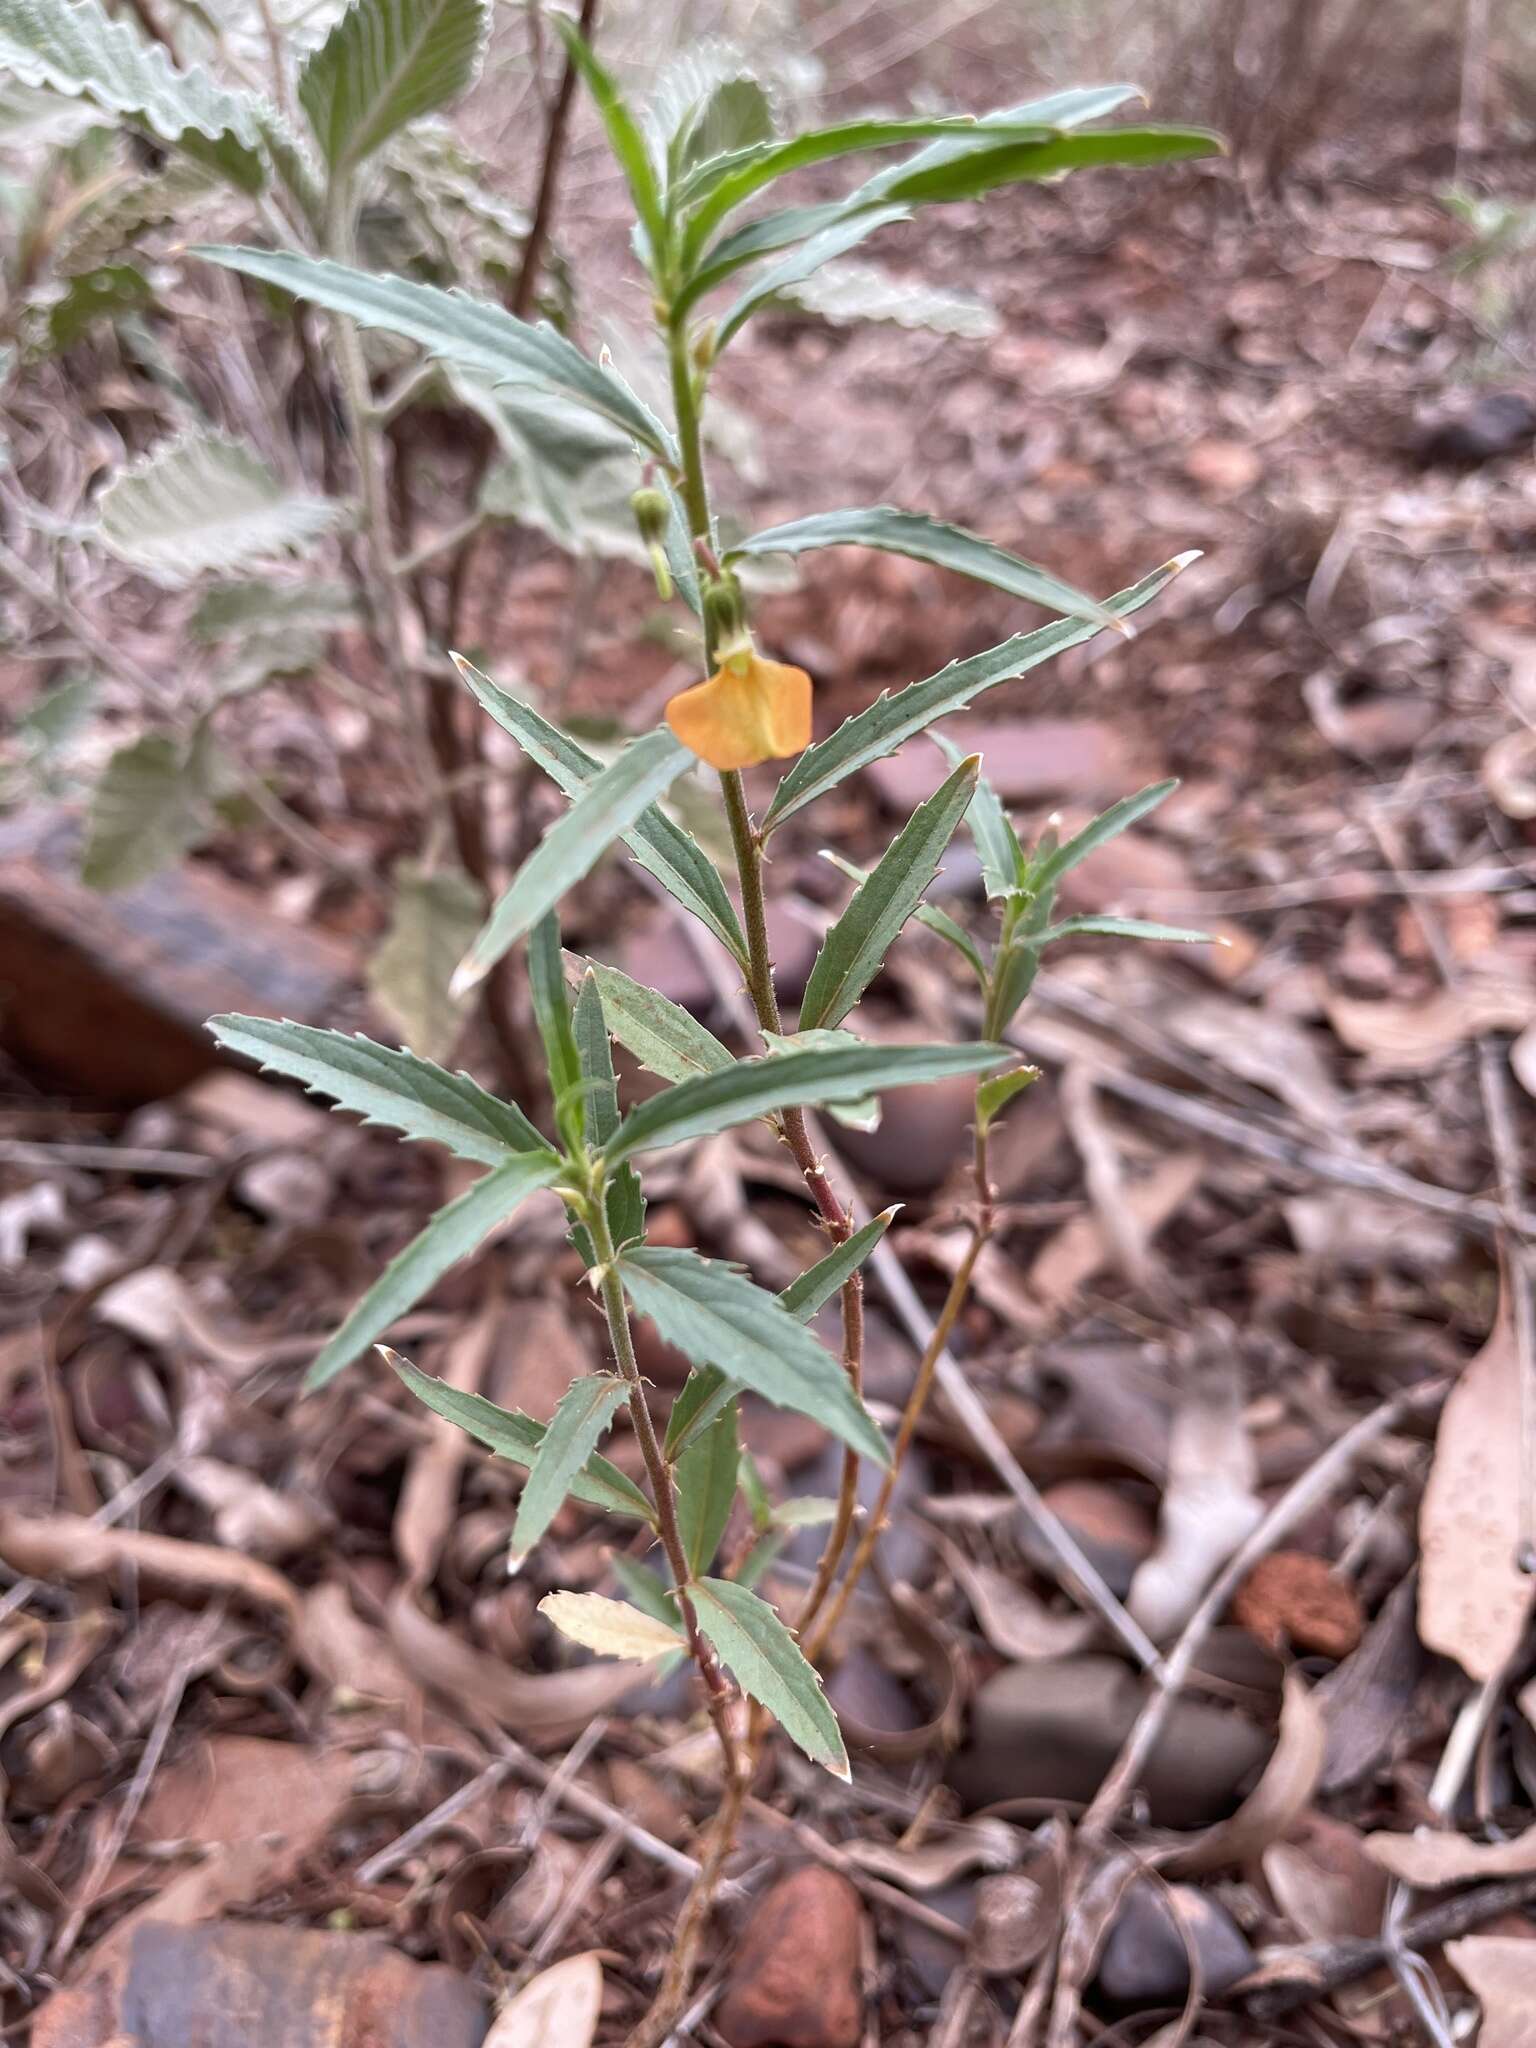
x,y
749,1088
146,811
385,1086
827,243
663,849
854,949
806,1511
74,47
1045,872
817,1284
452,1235
580,1420
559,471
1096,927
848,294
881,727
479,337
923,539
265,607
206,502
994,1095
716,1316
606,809
705,1393
384,64
769,1665
436,913
610,1627
517,1437
859,1113
52,720
665,1038
705,1476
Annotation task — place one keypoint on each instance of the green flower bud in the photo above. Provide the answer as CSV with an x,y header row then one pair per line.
x,y
651,512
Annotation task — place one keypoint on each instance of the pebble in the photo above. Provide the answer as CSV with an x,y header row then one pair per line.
x,y
1145,1961
794,1981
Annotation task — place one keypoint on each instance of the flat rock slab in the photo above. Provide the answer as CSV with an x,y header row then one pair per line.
x,y
106,997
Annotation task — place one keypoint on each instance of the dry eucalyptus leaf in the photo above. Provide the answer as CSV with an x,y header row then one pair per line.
x,y
1413,1036
559,2009
248,1515
1070,1258
1473,1597
1429,1857
1015,1620
1500,1969
1276,1803
1323,1883
984,1844
429,1497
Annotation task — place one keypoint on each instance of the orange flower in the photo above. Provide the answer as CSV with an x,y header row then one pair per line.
x,y
750,710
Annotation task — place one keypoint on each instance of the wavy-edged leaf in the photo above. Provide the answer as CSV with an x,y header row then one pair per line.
x,y
1097,927
385,1086
716,1316
610,1627
74,47
882,726
665,1038
262,606
1046,872
454,1232
517,1437
384,64
663,849
479,337
606,809
580,1420
803,261
769,1665
923,539
749,1088
435,913
817,1284
204,501
705,1476
854,949
847,294
146,811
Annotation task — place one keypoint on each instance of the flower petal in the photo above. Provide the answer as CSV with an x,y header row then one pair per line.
x,y
747,712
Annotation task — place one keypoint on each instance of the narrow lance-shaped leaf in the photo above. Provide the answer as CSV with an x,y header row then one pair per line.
x,y
1045,873
716,1316
517,1437
573,845
552,1013
714,1102
385,1085
626,1201
927,180
825,246
854,949
769,1665
452,1235
923,539
665,1038
610,1628
624,137
458,329
997,844
583,1414
882,726
938,921
1121,928
994,1095
384,64
706,1488
663,849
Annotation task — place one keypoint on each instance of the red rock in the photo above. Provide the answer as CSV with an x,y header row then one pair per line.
x,y
1296,1598
794,1982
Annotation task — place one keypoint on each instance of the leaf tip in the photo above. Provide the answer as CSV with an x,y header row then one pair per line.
x,y
466,977
1177,564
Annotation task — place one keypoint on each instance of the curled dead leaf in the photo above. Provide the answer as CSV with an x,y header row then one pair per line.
x,y
1497,1968
1013,1618
949,1853
1282,1795
72,1548
561,2006
1430,1857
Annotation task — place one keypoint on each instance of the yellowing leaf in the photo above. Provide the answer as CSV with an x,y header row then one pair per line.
x,y
1473,1597
559,2009
609,1626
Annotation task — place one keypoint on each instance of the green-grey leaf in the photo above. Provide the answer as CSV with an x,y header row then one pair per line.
x,y
624,137
769,1665
384,64
665,1038
749,1088
146,811
828,243
459,329
706,1488
736,114
453,1234
575,1429
994,1095
74,47
204,502
848,294
386,1086
882,726
997,844
626,1202
705,1392
817,1284
261,605
605,810
517,1437
716,1316
859,1113
853,950
930,179
1121,928
1045,874
928,540
663,849
436,912
937,920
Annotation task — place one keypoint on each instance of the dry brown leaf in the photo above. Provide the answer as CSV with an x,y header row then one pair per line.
x,y
1431,1857
234,1788
1522,1059
1015,1620
984,1844
559,2009
345,1653
1509,773
1104,1174
156,1306
1275,1804
1079,1250
71,1548
1473,1597
1266,1047
1413,1036
543,1354
430,1494
247,1514
1323,1883
1500,1970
